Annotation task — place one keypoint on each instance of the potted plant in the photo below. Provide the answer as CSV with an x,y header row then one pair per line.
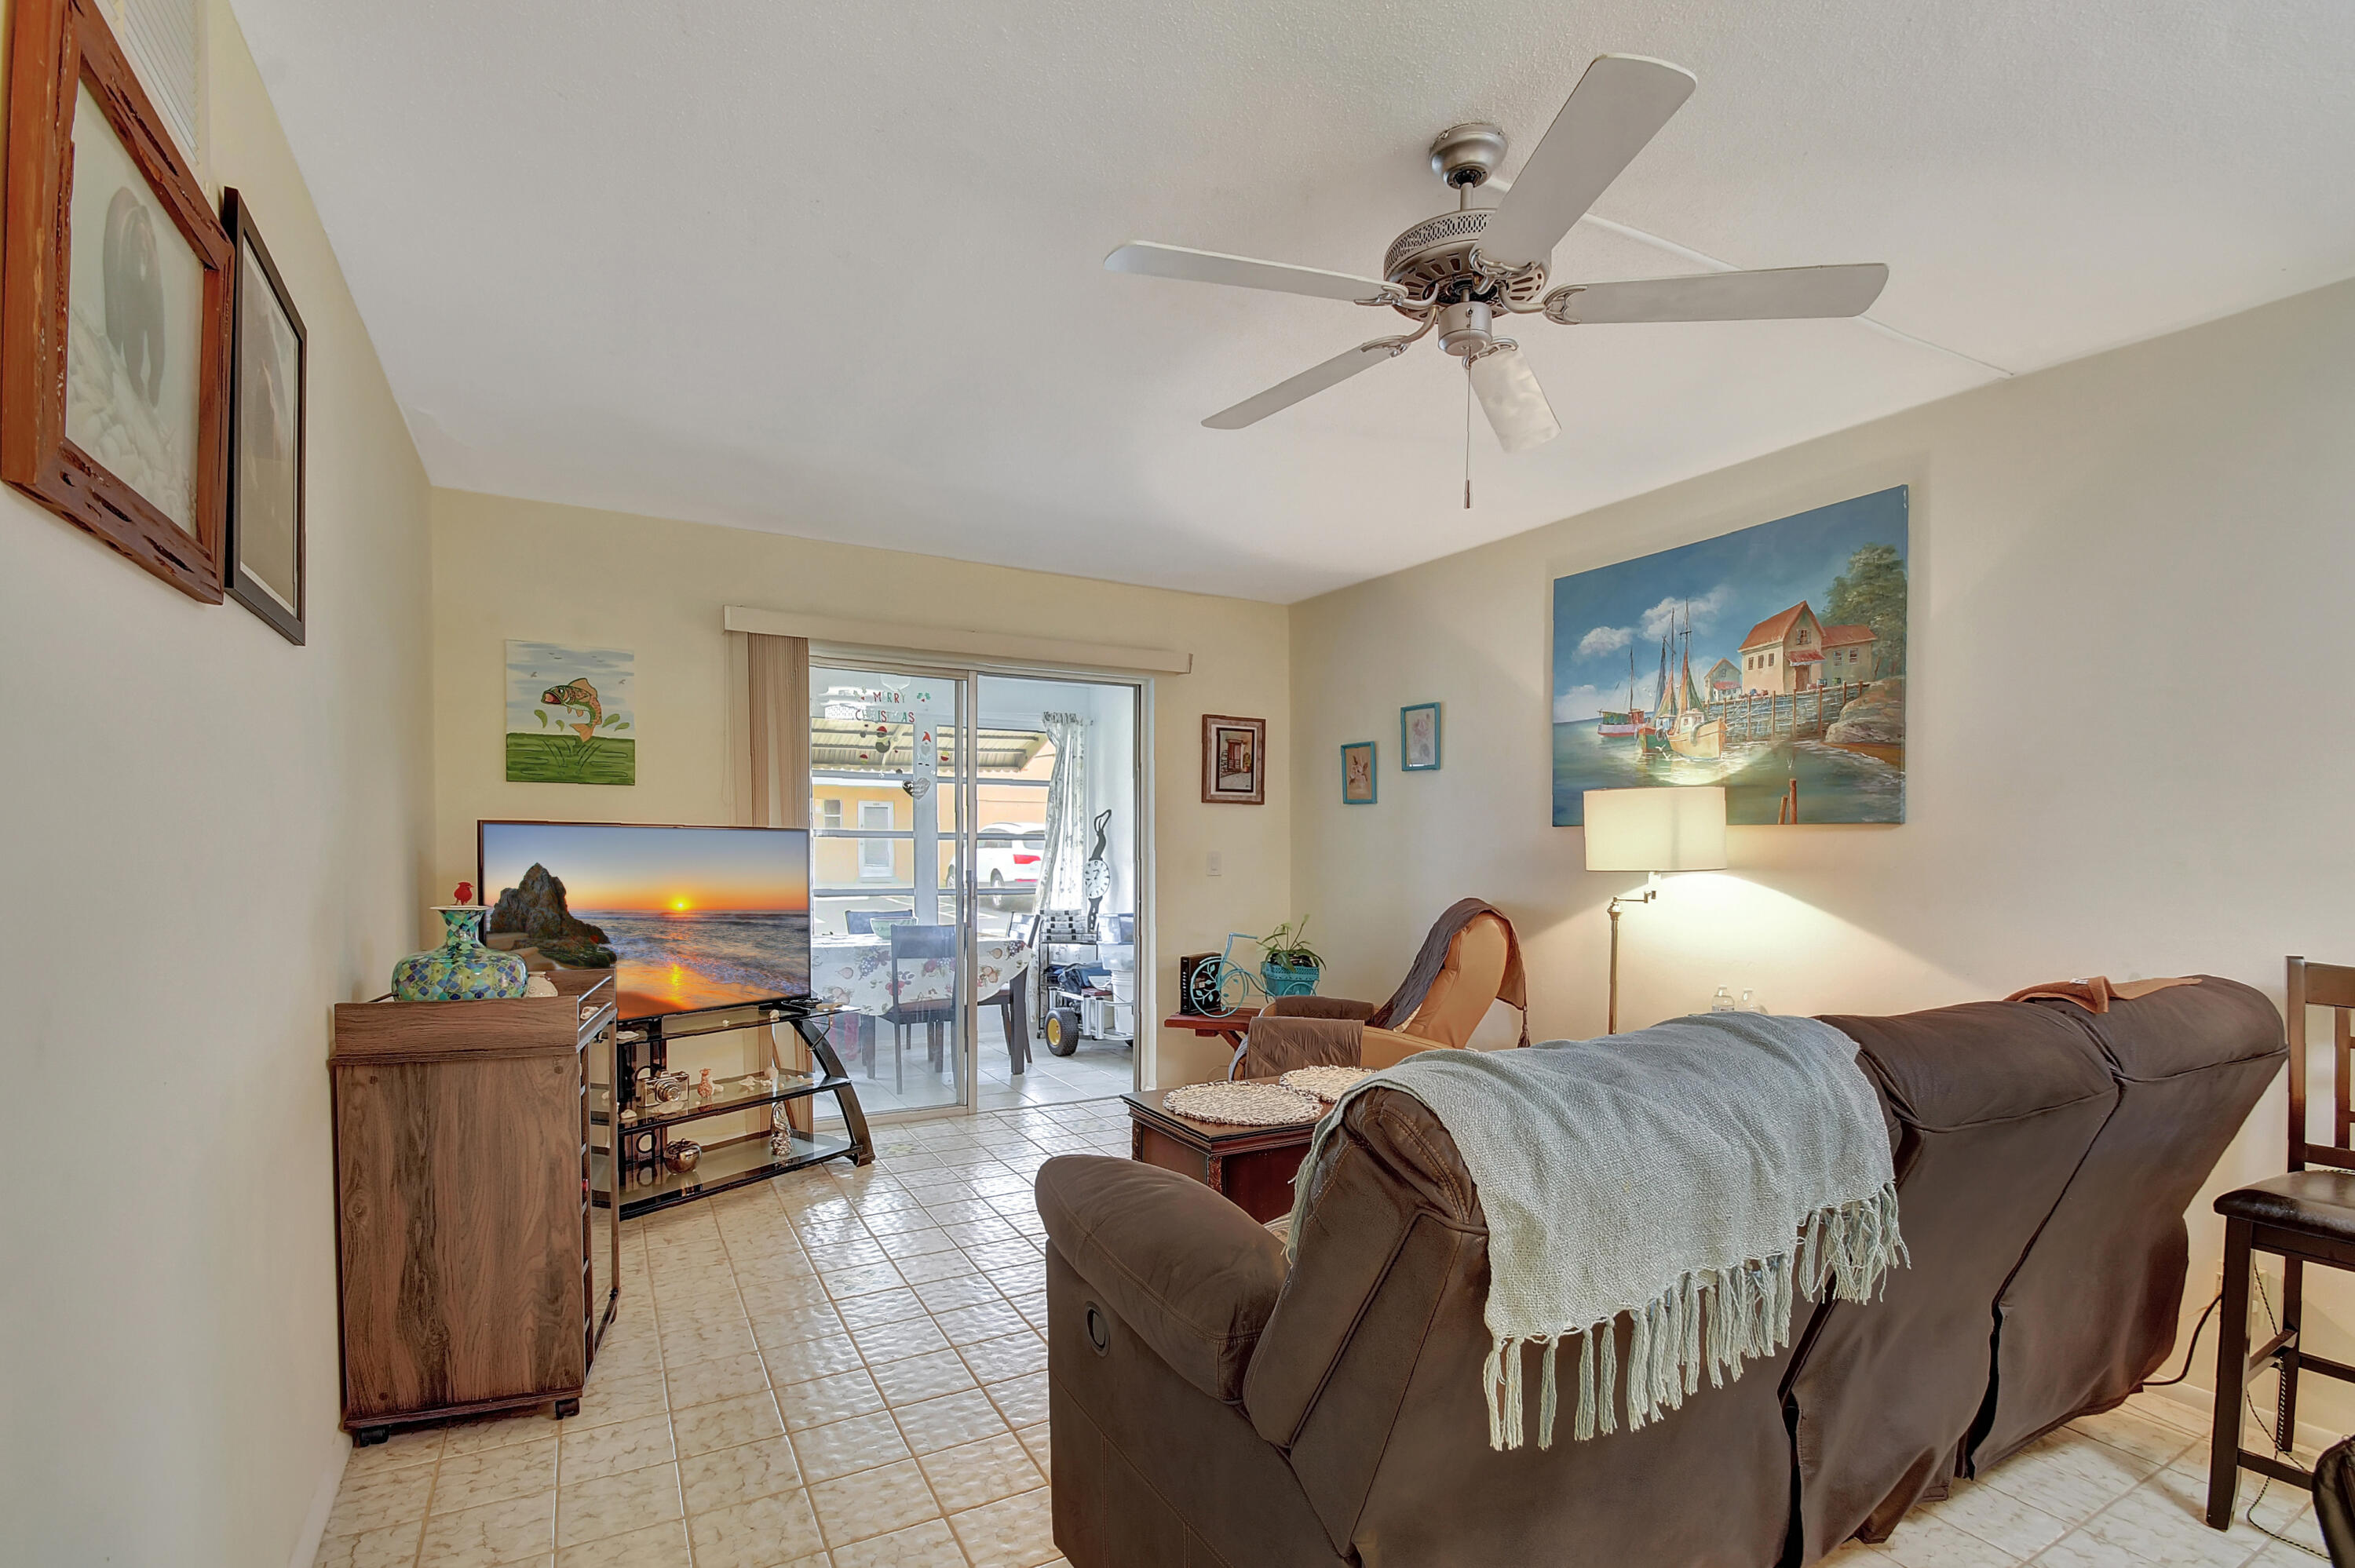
x,y
1288,965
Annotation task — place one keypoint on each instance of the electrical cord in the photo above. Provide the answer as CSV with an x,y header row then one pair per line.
x,y
2281,1450
2191,1354
2191,1350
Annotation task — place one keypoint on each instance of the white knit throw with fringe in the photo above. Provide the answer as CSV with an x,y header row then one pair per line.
x,y
1695,1175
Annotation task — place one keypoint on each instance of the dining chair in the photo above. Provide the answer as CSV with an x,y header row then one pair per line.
x,y
2305,1215
1012,1000
913,947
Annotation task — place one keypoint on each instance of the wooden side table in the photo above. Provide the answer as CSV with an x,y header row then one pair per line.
x,y
1251,1167
1229,1028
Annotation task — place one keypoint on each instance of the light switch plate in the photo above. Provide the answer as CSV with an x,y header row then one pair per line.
x,y
1215,864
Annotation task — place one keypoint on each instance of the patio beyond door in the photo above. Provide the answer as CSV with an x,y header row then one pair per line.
x,y
958,818
889,921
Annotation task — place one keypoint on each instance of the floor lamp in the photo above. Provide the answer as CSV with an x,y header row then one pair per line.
x,y
1657,829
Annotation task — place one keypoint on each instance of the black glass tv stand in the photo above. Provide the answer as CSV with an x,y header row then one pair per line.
x,y
634,1133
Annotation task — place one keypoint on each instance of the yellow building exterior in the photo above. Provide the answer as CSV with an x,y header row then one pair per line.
x,y
848,805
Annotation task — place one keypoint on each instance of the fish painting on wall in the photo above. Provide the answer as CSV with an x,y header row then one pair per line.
x,y
570,715
1770,661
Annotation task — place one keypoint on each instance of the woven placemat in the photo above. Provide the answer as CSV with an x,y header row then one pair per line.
x,y
1258,1103
1327,1084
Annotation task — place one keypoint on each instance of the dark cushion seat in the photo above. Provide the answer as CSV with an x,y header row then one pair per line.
x,y
2320,1201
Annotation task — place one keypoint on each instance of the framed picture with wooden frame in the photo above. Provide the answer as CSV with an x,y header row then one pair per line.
x,y
265,559
114,295
1234,760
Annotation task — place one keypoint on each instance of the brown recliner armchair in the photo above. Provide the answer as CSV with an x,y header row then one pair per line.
x,y
1470,960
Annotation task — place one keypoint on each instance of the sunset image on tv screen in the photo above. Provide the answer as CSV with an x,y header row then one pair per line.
x,y
685,917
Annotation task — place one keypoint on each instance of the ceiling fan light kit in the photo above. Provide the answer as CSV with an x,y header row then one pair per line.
x,y
1456,273
1509,395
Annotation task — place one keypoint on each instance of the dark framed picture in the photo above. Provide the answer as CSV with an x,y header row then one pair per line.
x,y
113,306
268,393
1234,760
1419,738
1357,783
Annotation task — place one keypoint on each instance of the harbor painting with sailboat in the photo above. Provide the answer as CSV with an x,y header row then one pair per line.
x,y
1770,661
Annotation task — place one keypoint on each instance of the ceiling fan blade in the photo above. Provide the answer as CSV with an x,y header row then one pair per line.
x,y
1516,404
1241,271
1618,106
1781,293
1308,383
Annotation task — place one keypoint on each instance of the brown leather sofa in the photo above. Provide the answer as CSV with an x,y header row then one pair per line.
x,y
1212,1406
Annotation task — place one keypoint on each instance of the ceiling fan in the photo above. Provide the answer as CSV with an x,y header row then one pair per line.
x,y
1458,273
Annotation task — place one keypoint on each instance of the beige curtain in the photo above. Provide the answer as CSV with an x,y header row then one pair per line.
x,y
777,684
776,726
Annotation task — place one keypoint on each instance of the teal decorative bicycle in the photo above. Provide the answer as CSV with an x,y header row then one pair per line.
x,y
1218,987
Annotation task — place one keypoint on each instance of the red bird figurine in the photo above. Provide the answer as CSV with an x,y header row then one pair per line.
x,y
466,893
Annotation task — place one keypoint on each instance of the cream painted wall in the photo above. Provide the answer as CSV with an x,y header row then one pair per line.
x,y
206,837
2130,643
507,568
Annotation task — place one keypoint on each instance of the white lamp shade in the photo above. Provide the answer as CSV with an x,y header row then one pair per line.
x,y
1516,404
1667,828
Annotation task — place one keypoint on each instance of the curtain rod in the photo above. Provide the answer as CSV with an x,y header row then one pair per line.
x,y
897,637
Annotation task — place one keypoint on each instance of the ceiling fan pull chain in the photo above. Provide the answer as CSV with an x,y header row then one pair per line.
x,y
1467,437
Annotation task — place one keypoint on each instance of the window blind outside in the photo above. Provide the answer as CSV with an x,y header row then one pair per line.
x,y
160,37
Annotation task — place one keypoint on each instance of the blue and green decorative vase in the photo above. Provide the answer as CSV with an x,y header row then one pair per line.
x,y
461,969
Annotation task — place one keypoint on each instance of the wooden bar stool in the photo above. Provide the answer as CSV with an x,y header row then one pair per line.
x,y
2306,1216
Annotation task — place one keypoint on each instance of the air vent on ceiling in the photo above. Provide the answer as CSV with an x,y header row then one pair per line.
x,y
160,37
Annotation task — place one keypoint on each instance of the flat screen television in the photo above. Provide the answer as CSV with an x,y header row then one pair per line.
x,y
685,917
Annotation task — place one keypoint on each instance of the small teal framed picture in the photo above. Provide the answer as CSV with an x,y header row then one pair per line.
x,y
1357,773
1419,738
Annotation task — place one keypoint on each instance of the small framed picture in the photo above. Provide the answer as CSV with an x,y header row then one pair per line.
x,y
1234,760
1357,773
267,344
1419,738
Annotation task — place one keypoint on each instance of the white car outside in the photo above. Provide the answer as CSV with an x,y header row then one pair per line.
x,y
1006,856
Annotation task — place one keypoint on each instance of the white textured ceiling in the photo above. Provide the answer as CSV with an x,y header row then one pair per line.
x,y
837,271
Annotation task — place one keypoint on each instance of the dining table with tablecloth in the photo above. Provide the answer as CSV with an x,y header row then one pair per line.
x,y
855,973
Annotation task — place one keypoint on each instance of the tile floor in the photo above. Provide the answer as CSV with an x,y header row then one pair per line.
x,y
843,1370
2124,1490
1095,1070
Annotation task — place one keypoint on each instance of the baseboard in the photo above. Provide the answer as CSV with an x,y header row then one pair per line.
x,y
323,1504
2202,1404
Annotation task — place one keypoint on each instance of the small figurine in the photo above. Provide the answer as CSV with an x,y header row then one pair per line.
x,y
703,1088
466,893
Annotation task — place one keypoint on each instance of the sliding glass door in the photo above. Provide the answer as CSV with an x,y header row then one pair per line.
x,y
1058,803
889,916
973,882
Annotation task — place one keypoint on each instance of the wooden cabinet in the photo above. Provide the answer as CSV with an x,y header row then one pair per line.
x,y
473,1273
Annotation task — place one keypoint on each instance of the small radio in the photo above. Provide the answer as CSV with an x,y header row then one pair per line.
x,y
1198,985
